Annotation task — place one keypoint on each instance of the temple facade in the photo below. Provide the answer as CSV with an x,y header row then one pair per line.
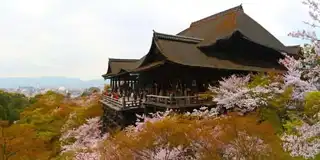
x,y
178,68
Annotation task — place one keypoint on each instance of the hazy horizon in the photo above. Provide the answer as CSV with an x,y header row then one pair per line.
x,y
50,82
83,79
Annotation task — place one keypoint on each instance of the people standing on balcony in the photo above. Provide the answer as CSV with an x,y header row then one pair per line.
x,y
185,92
115,96
161,92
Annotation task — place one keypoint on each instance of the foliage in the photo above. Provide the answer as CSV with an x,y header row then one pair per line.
x,y
289,102
50,113
11,104
299,77
214,138
21,142
306,143
86,137
239,94
272,116
312,105
304,76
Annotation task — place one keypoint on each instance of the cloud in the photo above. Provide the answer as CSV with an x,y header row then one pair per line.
x,y
75,38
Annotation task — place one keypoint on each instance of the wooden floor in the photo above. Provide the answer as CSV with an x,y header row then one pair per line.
x,y
121,104
117,108
171,106
117,113
156,101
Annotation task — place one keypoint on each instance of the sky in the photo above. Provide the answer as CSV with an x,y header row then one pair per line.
x,y
75,38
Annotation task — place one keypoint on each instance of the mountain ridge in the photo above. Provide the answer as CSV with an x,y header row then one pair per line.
x,y
49,82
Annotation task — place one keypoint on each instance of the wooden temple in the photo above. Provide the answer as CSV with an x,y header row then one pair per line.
x,y
177,69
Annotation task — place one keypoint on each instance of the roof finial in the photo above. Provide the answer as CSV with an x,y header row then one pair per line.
x,y
154,32
241,6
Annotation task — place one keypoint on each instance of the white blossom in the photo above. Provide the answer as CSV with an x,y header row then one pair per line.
x,y
306,143
234,93
203,112
300,75
87,138
245,146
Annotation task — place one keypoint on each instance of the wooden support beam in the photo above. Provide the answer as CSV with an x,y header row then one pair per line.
x,y
118,83
112,84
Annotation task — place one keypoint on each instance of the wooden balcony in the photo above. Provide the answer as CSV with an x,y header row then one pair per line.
x,y
123,103
175,102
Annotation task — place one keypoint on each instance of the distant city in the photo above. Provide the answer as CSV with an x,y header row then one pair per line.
x,y
30,87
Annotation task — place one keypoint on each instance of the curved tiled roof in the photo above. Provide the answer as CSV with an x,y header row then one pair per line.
x,y
117,66
225,23
185,48
190,55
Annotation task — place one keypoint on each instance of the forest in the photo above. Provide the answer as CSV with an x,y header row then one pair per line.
x,y
31,127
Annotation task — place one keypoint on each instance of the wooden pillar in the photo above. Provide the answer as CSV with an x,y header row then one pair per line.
x,y
118,84
127,89
135,85
129,83
111,84
156,88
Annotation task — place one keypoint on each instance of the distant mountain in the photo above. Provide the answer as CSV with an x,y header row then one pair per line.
x,y
50,82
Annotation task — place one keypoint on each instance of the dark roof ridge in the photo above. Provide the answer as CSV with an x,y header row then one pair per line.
x,y
297,45
122,60
222,13
176,37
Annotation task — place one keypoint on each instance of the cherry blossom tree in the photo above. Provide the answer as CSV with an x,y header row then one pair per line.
x,y
235,93
246,147
304,75
305,143
87,138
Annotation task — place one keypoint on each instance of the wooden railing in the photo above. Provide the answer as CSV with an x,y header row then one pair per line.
x,y
173,101
121,103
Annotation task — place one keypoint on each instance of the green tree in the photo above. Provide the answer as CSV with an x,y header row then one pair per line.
x,y
11,104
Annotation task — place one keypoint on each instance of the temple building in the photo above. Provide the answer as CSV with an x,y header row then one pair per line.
x,y
177,69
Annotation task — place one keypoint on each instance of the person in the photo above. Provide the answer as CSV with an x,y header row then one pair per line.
x,y
116,96
161,92
134,95
106,92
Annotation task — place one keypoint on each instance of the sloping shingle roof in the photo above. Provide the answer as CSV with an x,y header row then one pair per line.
x,y
117,66
225,23
184,48
185,53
